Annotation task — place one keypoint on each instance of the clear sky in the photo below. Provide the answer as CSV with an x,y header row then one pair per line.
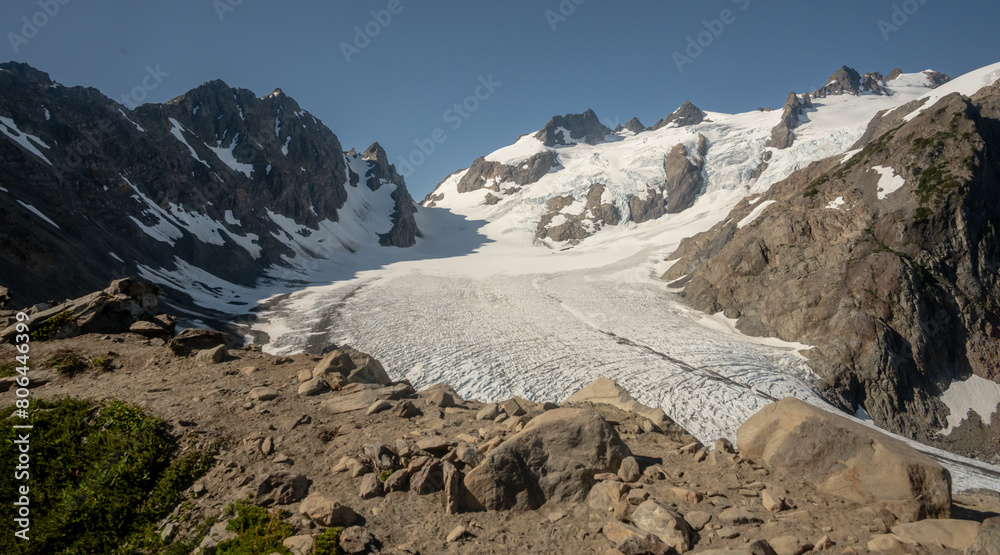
x,y
399,77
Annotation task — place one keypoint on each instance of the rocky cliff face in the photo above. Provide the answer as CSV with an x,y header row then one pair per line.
x,y
887,262
215,181
688,114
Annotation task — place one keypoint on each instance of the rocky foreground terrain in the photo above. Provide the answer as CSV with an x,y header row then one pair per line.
x,y
335,442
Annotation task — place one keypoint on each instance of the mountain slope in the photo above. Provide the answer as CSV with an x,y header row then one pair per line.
x,y
564,183
887,260
215,185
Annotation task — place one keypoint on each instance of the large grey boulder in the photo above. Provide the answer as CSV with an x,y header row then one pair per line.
x,y
353,365
554,458
847,459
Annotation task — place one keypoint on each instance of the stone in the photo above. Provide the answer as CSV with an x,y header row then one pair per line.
x,y
607,392
371,487
847,459
267,446
727,532
378,406
282,488
168,532
327,512
304,376
398,481
150,329
356,540
194,339
636,496
664,523
760,547
629,470
554,458
380,456
215,355
249,370
604,497
299,545
772,503
489,412
789,545
888,542
429,479
216,534
686,495
987,540
723,445
263,394
953,534
468,455
698,519
458,533
738,515
455,496
512,408
824,544
407,409
313,386
435,445
441,399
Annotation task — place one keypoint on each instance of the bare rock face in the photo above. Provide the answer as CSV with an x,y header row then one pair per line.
x,y
582,128
894,287
847,80
688,114
987,540
635,126
782,136
122,185
684,180
554,458
847,459
573,228
485,174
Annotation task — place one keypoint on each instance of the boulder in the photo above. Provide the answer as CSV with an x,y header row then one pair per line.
x,y
312,386
555,458
607,392
987,540
327,512
665,524
215,355
847,459
151,329
356,540
629,470
195,339
953,534
355,366
371,487
282,488
299,545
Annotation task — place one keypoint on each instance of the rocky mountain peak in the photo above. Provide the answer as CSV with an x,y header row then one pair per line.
x,y
585,127
687,114
635,126
847,80
382,169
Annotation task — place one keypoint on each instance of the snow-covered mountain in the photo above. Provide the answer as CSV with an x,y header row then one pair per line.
x,y
576,177
212,190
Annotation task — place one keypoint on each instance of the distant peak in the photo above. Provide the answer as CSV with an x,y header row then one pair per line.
x,y
687,114
585,127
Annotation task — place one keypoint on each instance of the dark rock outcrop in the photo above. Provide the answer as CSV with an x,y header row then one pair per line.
x,y
635,126
199,181
684,180
782,136
583,127
898,291
688,114
576,227
847,80
491,175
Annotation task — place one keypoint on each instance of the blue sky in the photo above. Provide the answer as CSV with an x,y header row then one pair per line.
x,y
542,57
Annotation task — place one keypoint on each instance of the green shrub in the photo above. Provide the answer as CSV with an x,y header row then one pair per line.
x,y
67,362
51,328
102,475
258,531
328,543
